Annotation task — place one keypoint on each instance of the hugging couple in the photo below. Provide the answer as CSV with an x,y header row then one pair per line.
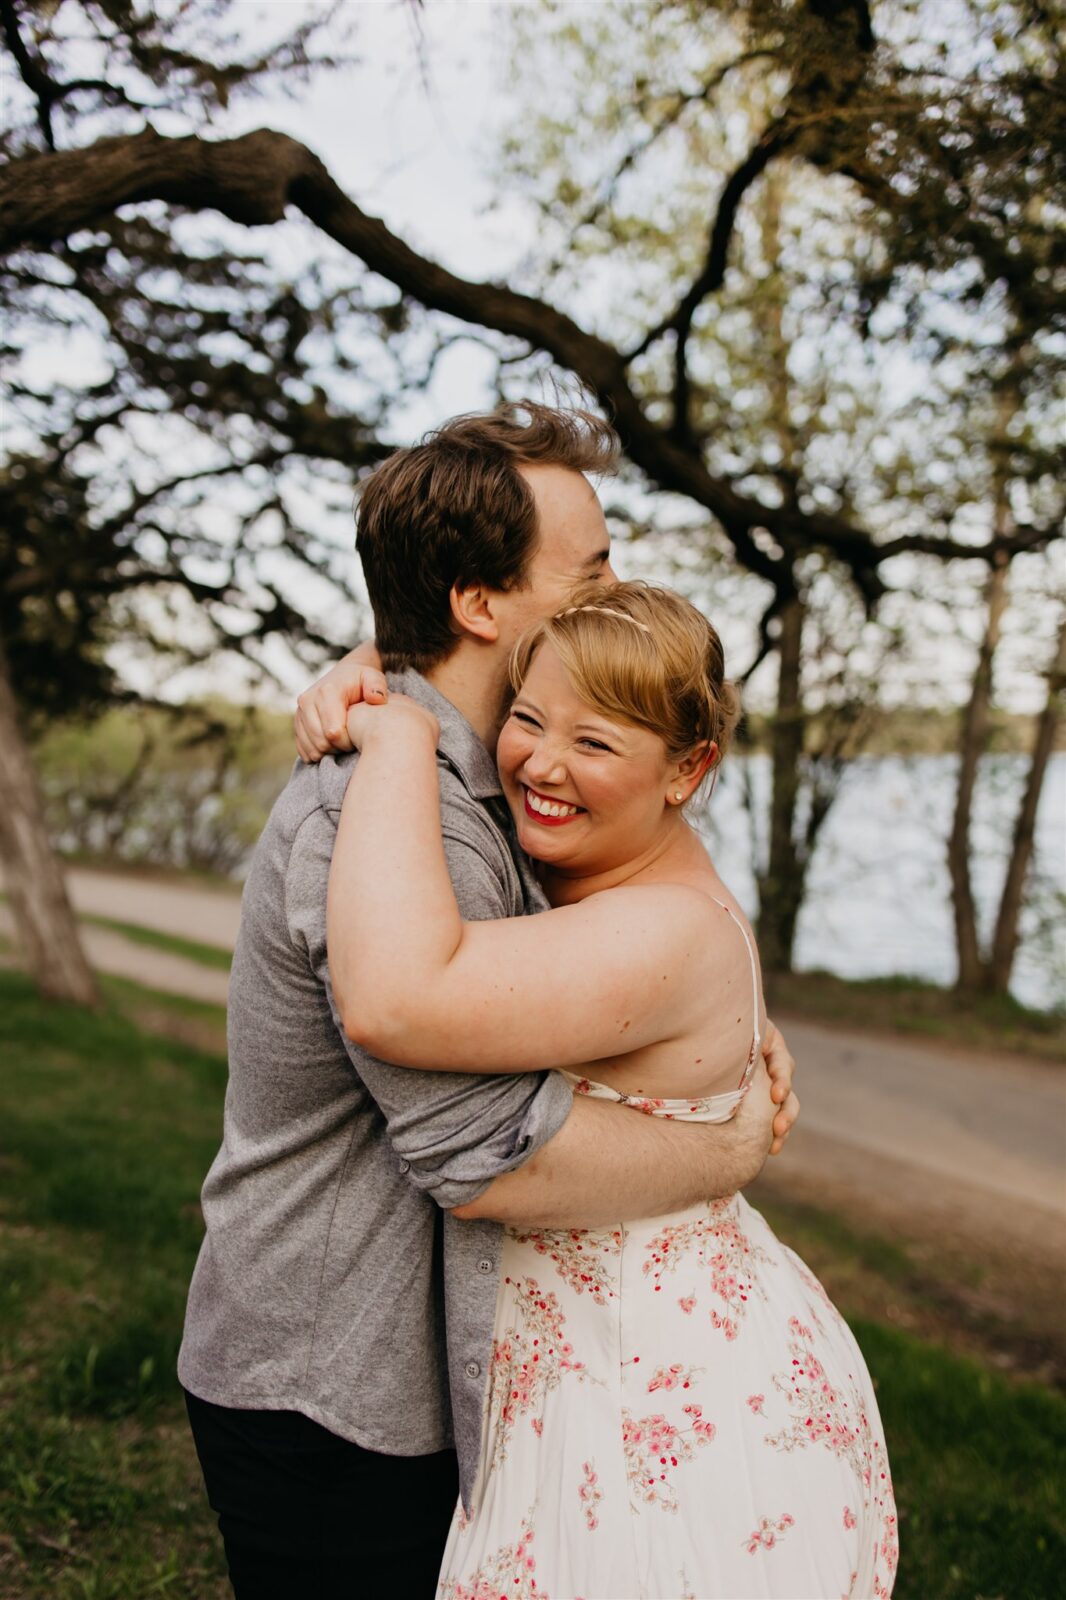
x,y
475,1227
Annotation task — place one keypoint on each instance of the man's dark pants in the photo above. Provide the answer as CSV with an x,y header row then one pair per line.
x,y
306,1515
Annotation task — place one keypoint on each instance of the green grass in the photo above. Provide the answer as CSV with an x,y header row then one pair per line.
x,y
208,955
978,1469
108,1128
908,1006
107,1132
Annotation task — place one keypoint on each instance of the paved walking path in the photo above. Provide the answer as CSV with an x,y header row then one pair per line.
x,y
898,1124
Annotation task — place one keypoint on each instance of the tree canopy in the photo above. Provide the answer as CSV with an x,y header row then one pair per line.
x,y
753,219
952,162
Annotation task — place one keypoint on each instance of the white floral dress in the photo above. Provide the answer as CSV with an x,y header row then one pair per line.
x,y
675,1410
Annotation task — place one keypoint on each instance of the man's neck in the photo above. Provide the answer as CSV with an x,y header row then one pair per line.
x,y
477,687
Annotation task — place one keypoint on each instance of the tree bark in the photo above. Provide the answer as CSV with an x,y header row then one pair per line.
x,y
1005,938
973,740
781,888
33,877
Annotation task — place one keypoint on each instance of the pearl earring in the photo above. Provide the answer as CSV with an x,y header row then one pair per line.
x,y
678,795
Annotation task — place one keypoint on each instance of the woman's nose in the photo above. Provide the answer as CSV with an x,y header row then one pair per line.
x,y
545,765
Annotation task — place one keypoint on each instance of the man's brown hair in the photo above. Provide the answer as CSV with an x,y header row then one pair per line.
x,y
455,509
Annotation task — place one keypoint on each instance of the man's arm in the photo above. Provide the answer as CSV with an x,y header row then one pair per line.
x,y
609,1163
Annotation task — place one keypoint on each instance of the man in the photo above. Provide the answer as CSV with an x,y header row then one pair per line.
x,y
338,1333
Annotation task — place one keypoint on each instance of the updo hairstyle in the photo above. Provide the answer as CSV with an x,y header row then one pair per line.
x,y
659,664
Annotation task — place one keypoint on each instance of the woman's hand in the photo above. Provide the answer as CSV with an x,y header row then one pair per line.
x,y
321,711
399,717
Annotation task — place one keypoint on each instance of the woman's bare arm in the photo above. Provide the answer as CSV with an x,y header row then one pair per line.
x,y
418,986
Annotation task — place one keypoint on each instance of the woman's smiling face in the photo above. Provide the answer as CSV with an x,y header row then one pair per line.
x,y
587,793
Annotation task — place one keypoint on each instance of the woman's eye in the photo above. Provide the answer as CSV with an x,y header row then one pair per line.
x,y
525,719
595,744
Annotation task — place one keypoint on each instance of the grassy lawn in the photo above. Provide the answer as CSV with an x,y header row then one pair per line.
x,y
108,1127
107,1132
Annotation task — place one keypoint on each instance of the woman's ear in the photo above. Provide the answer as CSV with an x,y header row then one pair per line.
x,y
472,612
690,771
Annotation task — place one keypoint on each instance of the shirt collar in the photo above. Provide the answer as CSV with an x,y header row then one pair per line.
x,y
459,744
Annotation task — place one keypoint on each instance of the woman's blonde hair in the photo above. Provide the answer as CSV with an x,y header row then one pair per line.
x,y
643,655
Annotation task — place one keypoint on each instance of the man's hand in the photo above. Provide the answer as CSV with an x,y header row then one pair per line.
x,y
321,718
780,1064
752,1129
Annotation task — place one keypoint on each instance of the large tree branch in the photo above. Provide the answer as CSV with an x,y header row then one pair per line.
x,y
253,180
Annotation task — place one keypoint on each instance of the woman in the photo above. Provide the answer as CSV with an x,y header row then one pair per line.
x,y
675,1407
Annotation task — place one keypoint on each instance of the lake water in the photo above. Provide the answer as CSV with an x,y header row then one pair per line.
x,y
879,894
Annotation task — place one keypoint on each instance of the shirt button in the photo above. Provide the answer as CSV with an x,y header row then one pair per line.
x,y
405,1167
484,1266
473,1369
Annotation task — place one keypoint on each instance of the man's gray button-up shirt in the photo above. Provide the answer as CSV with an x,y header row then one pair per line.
x,y
332,1279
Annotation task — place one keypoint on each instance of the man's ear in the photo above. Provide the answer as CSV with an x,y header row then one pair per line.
x,y
472,612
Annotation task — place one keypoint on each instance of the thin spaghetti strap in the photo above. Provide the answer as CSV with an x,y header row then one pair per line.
x,y
756,1039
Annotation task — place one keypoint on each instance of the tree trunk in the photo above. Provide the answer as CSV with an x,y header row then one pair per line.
x,y
34,880
1005,939
974,738
781,887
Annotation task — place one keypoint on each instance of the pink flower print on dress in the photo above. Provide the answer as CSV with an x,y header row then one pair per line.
x,y
590,1494
529,1360
756,1403
654,1447
508,1571
645,1104
687,1303
715,1244
836,1419
768,1533
579,1256
820,1414
672,1377
850,1518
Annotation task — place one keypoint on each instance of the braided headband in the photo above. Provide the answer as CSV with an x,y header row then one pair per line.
x,y
610,611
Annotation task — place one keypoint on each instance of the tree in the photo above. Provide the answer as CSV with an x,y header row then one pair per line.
x,y
821,290
112,529
88,173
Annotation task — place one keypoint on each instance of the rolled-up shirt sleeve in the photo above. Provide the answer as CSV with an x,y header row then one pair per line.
x,y
452,1132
